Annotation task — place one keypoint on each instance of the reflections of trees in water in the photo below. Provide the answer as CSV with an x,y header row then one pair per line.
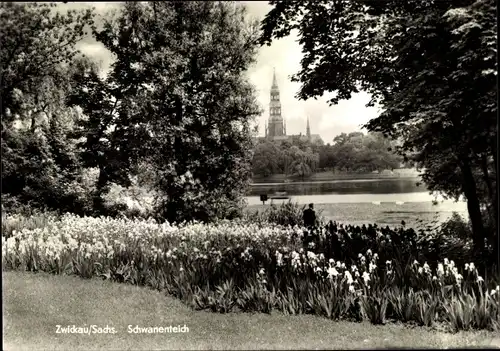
x,y
384,186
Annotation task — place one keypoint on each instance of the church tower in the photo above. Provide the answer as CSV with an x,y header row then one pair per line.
x,y
308,130
275,125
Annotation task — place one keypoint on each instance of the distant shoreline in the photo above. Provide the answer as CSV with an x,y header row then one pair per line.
x,y
261,183
324,177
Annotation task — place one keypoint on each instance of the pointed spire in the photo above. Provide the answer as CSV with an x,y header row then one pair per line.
x,y
308,129
275,82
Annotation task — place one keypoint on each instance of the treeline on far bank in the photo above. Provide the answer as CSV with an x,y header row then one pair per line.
x,y
354,153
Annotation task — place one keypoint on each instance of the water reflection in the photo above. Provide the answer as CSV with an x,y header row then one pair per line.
x,y
382,201
379,186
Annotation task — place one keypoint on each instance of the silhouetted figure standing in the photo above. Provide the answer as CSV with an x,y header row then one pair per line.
x,y
309,217
333,243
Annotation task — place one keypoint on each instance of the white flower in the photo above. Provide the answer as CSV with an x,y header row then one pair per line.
x,y
479,279
440,270
366,277
446,261
360,255
279,258
388,262
311,255
434,277
351,288
372,267
369,252
348,277
332,272
420,270
262,271
331,261
427,269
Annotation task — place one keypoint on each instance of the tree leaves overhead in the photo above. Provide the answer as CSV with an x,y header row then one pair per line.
x,y
34,40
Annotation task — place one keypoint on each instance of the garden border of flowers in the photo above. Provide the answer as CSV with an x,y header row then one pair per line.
x,y
343,272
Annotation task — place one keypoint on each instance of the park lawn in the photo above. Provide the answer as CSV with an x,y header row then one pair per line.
x,y
35,303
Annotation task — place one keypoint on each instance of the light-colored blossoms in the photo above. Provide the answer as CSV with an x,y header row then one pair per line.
x,y
186,247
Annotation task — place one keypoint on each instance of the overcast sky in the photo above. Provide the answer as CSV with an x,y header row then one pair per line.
x,y
285,55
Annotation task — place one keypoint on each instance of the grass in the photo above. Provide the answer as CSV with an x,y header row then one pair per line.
x,y
36,303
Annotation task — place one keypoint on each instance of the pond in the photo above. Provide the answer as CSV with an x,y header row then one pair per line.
x,y
381,201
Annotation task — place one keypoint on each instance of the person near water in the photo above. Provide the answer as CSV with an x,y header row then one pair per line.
x,y
333,243
309,217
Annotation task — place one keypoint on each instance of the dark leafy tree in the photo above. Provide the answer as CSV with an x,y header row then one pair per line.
x,y
266,158
39,164
110,134
179,78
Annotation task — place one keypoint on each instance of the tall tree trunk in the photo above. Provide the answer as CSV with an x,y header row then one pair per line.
x,y
33,123
102,182
495,241
493,149
492,206
473,205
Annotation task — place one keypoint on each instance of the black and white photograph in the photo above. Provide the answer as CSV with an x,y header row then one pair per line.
x,y
249,175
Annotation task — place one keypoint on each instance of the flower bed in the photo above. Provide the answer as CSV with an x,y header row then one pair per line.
x,y
361,274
